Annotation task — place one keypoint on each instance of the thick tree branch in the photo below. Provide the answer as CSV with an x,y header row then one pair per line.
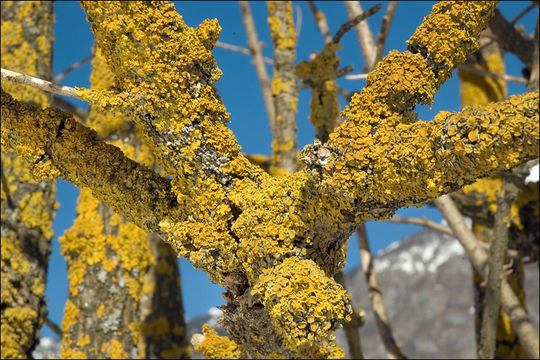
x,y
511,39
58,145
284,89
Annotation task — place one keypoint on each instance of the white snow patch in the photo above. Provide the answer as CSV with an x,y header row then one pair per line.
x,y
533,174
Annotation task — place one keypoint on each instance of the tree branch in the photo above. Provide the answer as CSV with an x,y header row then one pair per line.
x,y
364,34
383,32
284,91
72,68
375,295
320,22
509,192
344,28
511,39
242,50
504,77
258,62
58,145
39,84
509,301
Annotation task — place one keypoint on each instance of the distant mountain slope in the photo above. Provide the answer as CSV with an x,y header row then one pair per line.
x,y
427,289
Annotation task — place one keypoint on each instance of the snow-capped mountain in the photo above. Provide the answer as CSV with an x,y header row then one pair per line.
x,y
426,281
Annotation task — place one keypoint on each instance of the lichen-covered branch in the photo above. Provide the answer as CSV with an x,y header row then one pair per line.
x,y
27,203
57,145
120,276
284,91
273,242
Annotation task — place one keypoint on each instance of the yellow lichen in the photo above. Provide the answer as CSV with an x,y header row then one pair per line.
x,y
219,347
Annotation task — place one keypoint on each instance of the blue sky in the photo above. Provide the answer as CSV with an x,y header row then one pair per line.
x,y
240,91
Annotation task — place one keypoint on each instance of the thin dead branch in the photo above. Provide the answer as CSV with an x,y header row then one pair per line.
x,y
320,22
69,107
39,83
258,62
72,68
363,32
355,21
243,50
518,316
375,295
504,77
54,327
383,32
509,192
352,327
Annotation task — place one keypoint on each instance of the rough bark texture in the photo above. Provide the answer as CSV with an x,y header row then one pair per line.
x,y
284,90
478,200
28,204
124,286
274,243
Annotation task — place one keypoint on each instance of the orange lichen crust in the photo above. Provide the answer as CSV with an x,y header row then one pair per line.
x,y
320,75
446,36
305,306
27,203
237,223
403,163
214,346
284,91
56,144
115,264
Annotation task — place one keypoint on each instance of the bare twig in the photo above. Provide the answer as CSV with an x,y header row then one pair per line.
x,y
519,318
320,21
509,192
72,68
383,32
422,221
363,32
258,62
352,327
522,14
354,22
504,77
69,107
242,50
298,23
39,83
534,76
375,294
425,222
356,76
54,327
